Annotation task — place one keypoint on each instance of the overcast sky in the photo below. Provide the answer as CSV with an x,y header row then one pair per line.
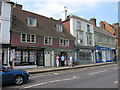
x,y
102,10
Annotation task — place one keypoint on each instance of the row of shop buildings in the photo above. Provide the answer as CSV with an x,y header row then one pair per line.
x,y
35,40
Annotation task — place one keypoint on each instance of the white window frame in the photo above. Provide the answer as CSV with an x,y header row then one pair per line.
x,y
26,38
87,28
35,22
79,39
49,42
78,25
65,42
59,28
88,40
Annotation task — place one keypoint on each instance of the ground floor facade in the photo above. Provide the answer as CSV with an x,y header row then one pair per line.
x,y
84,54
104,54
32,56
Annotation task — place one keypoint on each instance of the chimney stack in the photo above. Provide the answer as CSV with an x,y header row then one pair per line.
x,y
64,14
94,21
18,6
116,25
102,25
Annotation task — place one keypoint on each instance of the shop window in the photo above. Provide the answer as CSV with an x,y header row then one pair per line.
x,y
99,55
25,57
18,56
32,57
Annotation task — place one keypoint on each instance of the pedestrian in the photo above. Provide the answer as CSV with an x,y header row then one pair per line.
x,y
11,62
74,60
65,62
57,60
70,61
62,60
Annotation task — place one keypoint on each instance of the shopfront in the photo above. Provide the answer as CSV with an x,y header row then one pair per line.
x,y
28,56
103,54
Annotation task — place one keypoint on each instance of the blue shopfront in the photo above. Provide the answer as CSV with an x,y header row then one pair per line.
x,y
103,54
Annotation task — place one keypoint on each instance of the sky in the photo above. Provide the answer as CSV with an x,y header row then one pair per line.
x,y
102,10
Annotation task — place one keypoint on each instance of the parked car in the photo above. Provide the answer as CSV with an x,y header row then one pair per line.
x,y
13,76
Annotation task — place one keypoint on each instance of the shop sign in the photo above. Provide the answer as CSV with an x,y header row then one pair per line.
x,y
103,48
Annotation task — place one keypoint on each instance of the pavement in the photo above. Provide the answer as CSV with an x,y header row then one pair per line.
x,y
50,69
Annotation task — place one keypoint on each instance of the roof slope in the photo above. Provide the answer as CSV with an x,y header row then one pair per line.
x,y
99,30
45,26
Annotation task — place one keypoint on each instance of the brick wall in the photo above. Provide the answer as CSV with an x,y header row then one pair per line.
x,y
16,40
67,25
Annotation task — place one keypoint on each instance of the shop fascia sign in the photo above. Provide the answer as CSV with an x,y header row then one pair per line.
x,y
103,48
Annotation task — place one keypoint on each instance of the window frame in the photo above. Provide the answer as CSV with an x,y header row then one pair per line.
x,y
88,28
88,40
59,28
26,38
49,42
65,42
35,21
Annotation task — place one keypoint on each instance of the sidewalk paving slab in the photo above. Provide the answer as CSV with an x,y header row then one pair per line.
x,y
50,69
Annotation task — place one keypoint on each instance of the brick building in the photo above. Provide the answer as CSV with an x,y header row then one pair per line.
x,y
113,29
36,39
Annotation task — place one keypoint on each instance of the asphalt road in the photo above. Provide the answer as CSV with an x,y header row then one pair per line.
x,y
105,76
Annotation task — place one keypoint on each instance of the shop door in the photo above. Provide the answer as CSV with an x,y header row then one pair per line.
x,y
47,58
40,58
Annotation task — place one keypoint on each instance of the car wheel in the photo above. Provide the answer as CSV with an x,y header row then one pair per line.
x,y
19,80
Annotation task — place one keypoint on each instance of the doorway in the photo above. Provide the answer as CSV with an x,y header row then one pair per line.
x,y
40,58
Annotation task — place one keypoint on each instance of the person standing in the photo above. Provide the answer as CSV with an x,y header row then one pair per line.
x,y
70,62
62,60
65,62
57,60
68,59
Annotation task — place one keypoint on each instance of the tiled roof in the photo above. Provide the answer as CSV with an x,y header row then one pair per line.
x,y
101,31
45,26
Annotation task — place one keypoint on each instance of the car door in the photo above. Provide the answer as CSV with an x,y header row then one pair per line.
x,y
7,76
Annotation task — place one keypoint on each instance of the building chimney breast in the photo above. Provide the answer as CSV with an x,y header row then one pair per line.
x,y
94,21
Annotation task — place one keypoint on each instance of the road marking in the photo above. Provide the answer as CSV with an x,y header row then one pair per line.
x,y
36,85
56,73
97,72
54,81
116,82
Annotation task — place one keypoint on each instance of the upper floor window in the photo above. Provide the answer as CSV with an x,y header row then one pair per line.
x,y
0,7
79,25
88,28
100,39
64,42
89,39
48,40
29,38
32,22
80,37
59,28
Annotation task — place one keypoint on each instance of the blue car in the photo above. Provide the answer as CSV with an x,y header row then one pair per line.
x,y
13,76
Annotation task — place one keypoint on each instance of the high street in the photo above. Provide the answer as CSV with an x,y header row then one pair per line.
x,y
105,76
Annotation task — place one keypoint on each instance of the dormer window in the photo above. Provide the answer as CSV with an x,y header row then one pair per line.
x,y
59,28
32,22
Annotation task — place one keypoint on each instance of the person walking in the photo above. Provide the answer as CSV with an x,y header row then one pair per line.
x,y
11,62
62,60
74,60
57,60
68,59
